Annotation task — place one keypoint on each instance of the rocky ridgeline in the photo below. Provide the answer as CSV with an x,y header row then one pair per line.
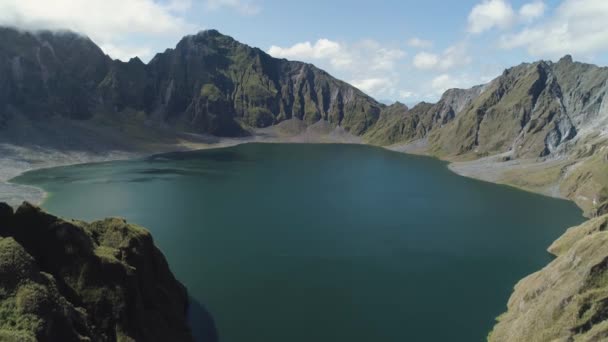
x,y
535,112
60,90
209,83
74,281
541,126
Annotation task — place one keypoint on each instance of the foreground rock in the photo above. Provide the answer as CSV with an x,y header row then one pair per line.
x,y
568,299
73,281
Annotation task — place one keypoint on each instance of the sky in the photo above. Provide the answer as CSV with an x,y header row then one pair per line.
x,y
407,51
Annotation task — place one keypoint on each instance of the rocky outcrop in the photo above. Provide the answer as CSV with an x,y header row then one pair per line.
x,y
399,124
568,299
74,281
209,83
532,110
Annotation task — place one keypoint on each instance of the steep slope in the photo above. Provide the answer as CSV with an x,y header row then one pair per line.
x,y
49,74
532,110
568,299
73,281
399,124
540,126
209,83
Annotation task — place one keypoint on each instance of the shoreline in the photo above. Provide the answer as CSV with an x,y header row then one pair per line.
x,y
489,169
18,160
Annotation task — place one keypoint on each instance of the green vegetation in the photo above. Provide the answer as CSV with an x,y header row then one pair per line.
x,y
104,281
567,300
211,92
210,83
536,178
207,84
16,319
587,183
259,117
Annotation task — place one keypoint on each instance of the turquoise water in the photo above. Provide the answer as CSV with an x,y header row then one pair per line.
x,y
325,242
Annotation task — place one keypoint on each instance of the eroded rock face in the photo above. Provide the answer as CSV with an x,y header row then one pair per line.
x,y
73,281
568,299
209,83
532,110
399,124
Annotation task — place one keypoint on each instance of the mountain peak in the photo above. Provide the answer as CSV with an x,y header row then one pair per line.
x,y
210,33
206,37
566,59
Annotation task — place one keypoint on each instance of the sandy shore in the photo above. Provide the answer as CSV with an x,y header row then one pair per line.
x,y
16,160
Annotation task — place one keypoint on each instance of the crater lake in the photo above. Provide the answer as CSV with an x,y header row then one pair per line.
x,y
313,242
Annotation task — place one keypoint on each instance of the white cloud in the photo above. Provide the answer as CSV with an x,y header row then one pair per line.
x,y
371,66
375,85
532,10
322,49
490,14
178,5
124,52
385,59
242,6
578,27
380,58
416,42
444,82
107,22
453,56
368,54
406,94
426,60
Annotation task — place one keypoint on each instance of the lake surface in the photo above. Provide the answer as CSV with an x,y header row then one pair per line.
x,y
325,242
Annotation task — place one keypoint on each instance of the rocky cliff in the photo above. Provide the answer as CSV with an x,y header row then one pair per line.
x,y
74,281
540,126
399,124
532,110
62,91
209,83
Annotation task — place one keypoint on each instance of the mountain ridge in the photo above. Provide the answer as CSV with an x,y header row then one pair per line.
x,y
540,126
208,83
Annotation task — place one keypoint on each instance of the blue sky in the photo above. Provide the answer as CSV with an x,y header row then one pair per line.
x,y
393,50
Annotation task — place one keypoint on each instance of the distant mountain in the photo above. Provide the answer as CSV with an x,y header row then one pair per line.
x,y
541,126
49,73
209,83
542,111
532,110
400,124
60,89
